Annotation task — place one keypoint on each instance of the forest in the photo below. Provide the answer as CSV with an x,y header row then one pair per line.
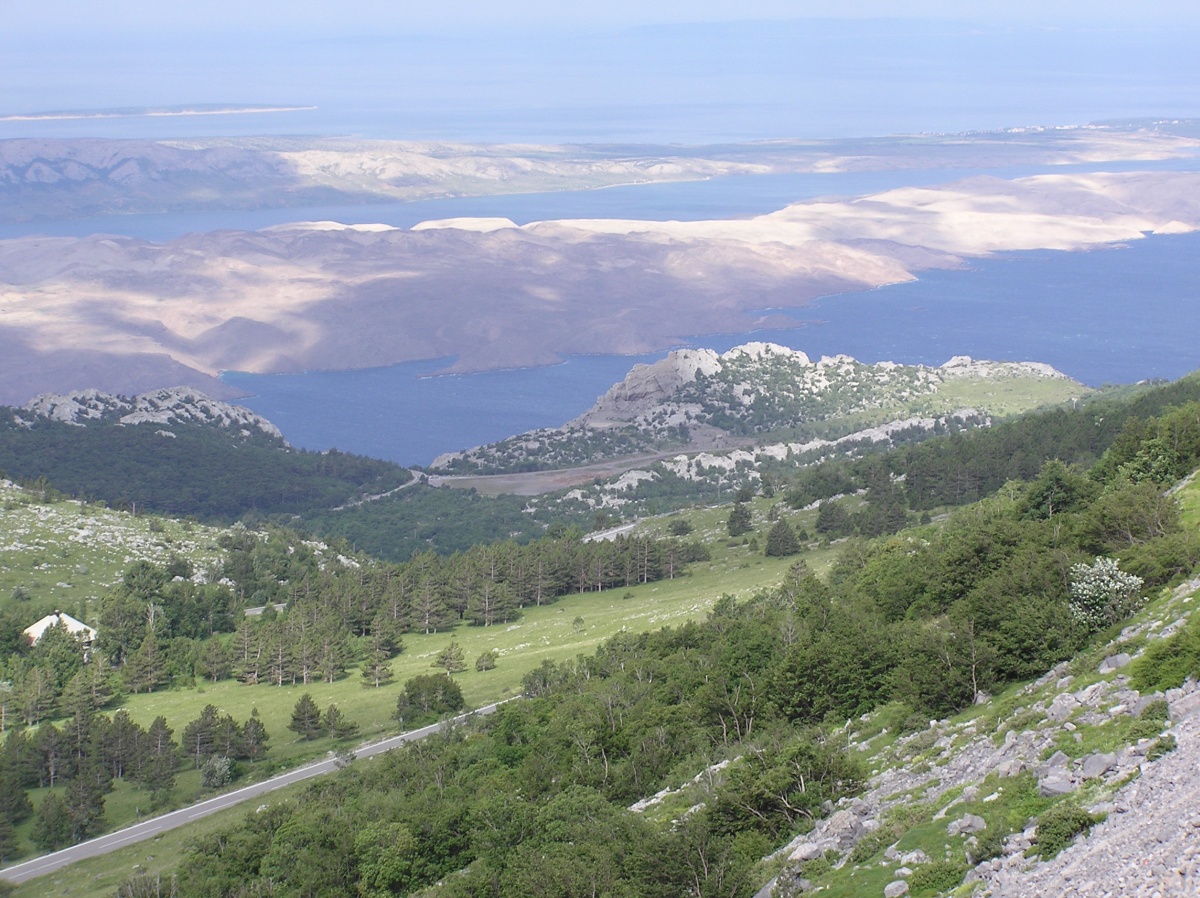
x,y
200,470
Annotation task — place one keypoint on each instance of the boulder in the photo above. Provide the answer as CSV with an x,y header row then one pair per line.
x,y
844,827
809,851
1011,767
1098,764
1056,761
966,824
1062,707
1145,701
1054,785
895,889
914,857
1185,706
1114,662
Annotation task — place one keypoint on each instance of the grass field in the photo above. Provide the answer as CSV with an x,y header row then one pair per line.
x,y
574,625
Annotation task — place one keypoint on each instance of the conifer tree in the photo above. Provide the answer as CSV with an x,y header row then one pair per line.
x,y
158,761
337,725
377,668
254,737
306,718
199,736
52,824
781,540
450,659
740,520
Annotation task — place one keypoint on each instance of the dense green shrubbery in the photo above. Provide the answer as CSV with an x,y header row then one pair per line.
x,y
1166,663
936,876
1058,827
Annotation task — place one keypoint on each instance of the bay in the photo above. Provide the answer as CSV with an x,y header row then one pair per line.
x,y
1114,315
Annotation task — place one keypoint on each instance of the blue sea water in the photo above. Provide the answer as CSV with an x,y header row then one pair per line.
x,y
1115,315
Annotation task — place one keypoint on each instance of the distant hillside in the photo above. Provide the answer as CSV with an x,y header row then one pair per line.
x,y
179,452
697,400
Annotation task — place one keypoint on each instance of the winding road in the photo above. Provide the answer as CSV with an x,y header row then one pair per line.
x,y
147,829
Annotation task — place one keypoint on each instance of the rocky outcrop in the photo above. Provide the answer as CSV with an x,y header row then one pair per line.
x,y
174,405
1148,843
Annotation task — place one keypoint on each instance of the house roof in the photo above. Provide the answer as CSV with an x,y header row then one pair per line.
x,y
58,618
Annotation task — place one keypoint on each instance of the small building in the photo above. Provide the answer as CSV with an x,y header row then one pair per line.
x,y
75,627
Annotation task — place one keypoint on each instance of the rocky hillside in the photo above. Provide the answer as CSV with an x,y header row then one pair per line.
x,y
177,451
697,399
174,405
980,794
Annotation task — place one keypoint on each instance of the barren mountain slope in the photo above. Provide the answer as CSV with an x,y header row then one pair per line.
x,y
495,295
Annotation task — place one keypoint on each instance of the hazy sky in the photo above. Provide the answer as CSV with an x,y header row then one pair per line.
x,y
619,70
407,15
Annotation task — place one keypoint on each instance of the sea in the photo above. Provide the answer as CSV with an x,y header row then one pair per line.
x,y
1119,314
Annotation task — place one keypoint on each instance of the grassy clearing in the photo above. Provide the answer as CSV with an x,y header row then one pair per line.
x,y
68,552
1004,396
573,625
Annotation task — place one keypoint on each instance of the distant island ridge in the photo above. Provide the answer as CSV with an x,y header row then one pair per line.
x,y
150,111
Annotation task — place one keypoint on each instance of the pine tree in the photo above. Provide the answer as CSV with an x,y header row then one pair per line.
x,y
228,739
145,669
306,718
158,761
10,845
254,737
740,520
377,668
337,725
85,807
450,659
781,540
199,736
486,661
52,824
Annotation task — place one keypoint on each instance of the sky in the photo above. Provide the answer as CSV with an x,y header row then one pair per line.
x,y
407,15
679,71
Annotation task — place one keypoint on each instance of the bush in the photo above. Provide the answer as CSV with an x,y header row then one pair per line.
x,y
428,697
679,527
936,876
990,845
1102,593
1151,721
869,846
216,773
1058,827
1166,663
1163,745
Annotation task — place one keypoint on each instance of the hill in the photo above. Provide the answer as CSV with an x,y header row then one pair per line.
x,y
176,451
760,393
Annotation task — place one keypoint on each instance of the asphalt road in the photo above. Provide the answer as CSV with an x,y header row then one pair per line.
x,y
147,829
